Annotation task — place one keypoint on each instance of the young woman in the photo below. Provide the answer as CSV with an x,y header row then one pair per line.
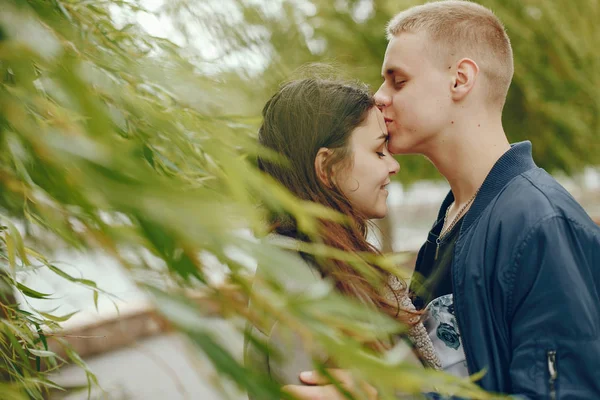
x,y
335,140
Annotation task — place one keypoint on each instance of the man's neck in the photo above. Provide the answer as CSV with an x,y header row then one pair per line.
x,y
466,158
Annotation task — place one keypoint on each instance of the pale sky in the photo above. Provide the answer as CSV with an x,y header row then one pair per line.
x,y
159,24
253,59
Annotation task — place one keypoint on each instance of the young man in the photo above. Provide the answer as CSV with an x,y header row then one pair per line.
x,y
515,253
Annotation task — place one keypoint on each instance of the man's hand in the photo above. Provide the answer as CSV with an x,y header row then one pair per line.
x,y
323,389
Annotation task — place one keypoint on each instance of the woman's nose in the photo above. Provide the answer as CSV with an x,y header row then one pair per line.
x,y
394,166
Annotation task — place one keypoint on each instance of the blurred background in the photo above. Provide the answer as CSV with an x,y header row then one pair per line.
x,y
126,120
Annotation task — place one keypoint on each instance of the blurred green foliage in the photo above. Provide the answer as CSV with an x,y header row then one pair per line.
x,y
114,139
554,100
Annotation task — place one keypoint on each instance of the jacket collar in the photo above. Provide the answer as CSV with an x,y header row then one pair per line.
x,y
512,163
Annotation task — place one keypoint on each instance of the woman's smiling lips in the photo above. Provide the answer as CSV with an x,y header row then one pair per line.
x,y
384,186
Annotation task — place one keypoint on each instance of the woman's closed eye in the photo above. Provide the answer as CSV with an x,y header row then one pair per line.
x,y
382,149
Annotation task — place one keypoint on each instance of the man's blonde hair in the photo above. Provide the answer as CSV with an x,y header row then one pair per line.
x,y
460,29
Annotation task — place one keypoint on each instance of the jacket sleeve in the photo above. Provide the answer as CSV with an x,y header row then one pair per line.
x,y
287,356
283,357
553,311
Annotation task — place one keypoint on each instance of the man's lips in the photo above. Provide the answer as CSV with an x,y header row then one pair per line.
x,y
388,121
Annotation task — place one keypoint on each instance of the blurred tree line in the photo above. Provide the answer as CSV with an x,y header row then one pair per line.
x,y
554,100
142,146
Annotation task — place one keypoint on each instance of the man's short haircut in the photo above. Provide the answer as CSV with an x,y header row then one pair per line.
x,y
459,29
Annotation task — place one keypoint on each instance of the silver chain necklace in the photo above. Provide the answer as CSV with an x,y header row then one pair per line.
x,y
444,232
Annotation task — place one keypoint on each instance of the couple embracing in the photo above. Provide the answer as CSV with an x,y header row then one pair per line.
x,y
511,265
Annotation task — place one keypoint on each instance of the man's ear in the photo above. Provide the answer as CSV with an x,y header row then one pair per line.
x,y
464,78
320,160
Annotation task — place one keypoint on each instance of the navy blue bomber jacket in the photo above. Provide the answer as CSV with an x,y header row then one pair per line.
x,y
526,279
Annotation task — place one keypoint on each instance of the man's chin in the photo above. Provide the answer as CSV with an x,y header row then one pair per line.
x,y
402,150
403,147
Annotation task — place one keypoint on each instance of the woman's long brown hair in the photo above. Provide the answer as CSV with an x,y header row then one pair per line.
x,y
302,117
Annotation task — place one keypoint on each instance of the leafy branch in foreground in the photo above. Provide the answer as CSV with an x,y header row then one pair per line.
x,y
114,140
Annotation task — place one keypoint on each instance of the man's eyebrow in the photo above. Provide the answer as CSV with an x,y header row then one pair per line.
x,y
392,71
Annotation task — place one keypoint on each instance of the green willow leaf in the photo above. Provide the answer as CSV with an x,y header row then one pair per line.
x,y
31,293
41,353
55,318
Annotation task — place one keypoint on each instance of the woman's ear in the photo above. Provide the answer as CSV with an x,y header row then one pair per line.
x,y
320,161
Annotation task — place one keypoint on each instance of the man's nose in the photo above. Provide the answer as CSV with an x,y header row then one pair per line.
x,y
381,98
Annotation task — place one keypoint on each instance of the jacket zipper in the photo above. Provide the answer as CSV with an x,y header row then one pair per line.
x,y
551,356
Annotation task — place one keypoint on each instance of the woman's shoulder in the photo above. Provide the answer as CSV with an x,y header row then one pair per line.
x,y
284,263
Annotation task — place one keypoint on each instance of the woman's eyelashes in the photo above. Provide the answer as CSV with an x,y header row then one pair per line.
x,y
383,148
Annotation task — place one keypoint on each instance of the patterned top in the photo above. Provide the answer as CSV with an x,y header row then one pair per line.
x,y
417,333
442,328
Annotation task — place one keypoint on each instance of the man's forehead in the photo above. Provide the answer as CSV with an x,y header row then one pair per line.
x,y
403,50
